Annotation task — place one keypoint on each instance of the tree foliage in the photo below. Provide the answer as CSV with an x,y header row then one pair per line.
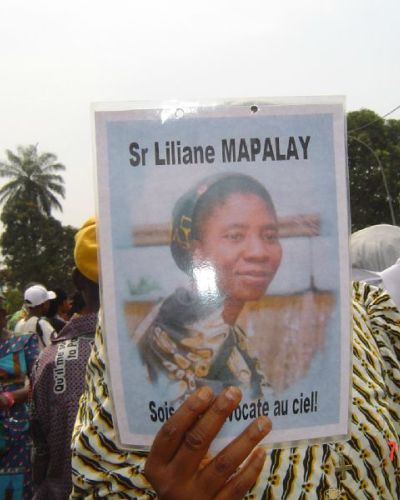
x,y
374,169
34,178
13,299
35,247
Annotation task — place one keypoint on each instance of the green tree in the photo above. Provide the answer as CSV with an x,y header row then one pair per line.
x,y
374,169
34,178
35,247
14,298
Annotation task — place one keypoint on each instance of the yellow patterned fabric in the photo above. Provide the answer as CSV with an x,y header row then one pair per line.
x,y
366,466
99,468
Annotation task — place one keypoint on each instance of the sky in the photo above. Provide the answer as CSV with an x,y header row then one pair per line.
x,y
59,57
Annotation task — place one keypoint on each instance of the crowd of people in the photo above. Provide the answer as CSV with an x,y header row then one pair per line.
x,y
58,439
43,353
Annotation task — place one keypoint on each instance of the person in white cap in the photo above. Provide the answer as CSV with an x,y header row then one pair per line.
x,y
36,300
55,394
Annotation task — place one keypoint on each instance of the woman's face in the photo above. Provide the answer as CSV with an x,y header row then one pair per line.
x,y
239,240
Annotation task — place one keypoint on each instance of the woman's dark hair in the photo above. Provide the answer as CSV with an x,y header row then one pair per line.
x,y
61,295
196,205
77,303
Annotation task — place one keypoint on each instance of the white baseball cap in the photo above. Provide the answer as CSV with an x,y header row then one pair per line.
x,y
36,295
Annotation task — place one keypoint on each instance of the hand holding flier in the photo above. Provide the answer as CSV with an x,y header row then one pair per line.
x,y
175,466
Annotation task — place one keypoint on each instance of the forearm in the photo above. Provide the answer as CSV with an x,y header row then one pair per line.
x,y
10,398
21,395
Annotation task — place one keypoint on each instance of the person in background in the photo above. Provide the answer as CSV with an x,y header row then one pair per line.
x,y
36,300
375,248
364,466
15,317
391,281
57,315
58,378
77,304
21,314
17,355
375,255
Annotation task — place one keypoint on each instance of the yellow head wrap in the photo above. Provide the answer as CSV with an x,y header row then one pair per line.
x,y
85,252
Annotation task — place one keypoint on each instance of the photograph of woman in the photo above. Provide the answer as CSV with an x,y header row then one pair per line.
x,y
225,238
222,267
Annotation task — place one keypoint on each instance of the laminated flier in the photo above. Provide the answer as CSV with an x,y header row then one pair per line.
x,y
223,230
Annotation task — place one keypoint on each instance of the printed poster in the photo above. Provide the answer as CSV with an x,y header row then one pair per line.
x,y
224,261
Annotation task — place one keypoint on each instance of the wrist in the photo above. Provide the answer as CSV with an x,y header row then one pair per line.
x,y
9,397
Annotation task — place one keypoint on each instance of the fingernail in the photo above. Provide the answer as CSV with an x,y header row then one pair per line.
x,y
233,393
205,394
230,395
263,424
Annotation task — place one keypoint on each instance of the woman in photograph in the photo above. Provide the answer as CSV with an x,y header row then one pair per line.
x,y
225,238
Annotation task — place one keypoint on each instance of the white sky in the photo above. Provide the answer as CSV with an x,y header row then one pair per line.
x,y
57,57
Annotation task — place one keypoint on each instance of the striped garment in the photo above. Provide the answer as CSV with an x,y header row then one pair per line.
x,y
366,466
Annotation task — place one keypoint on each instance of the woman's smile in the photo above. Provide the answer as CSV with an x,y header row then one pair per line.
x,y
254,278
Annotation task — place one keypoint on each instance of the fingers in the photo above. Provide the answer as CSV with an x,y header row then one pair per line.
x,y
176,463
240,483
232,456
171,434
198,439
